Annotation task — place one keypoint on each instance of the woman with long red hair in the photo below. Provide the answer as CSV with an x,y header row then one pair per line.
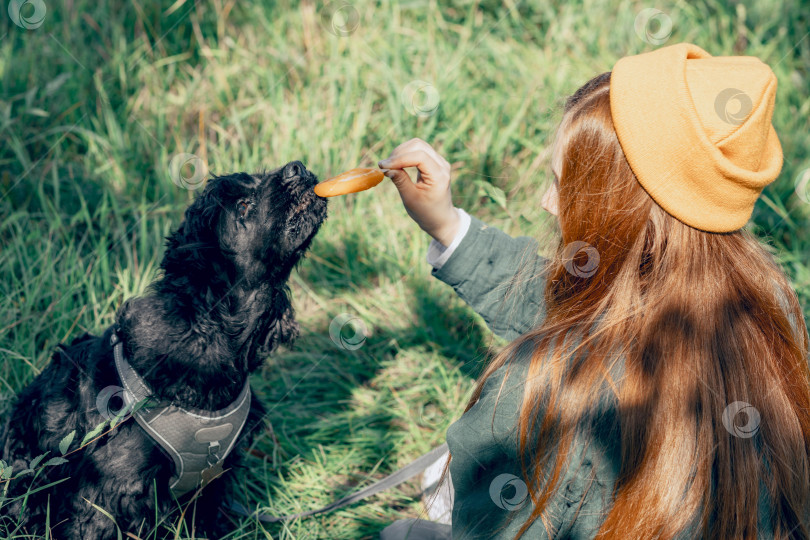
x,y
656,384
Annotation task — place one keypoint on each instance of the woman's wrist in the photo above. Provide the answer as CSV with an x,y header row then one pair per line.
x,y
448,232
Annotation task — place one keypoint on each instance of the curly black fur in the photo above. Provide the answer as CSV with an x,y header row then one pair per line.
x,y
220,307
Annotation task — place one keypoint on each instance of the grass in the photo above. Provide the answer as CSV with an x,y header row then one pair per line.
x,y
96,101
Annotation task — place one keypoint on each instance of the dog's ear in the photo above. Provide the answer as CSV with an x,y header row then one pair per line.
x,y
202,216
194,245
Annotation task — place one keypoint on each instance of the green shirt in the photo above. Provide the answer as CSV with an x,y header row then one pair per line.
x,y
490,498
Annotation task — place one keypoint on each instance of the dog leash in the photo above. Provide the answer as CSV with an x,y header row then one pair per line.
x,y
394,479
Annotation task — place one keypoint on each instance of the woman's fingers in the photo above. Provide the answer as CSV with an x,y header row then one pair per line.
x,y
402,181
430,170
428,201
415,145
419,143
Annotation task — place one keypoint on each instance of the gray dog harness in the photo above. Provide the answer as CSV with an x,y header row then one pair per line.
x,y
197,440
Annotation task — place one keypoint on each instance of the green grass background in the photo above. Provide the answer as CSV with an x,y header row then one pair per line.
x,y
96,101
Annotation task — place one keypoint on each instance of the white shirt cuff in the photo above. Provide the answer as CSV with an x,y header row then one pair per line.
x,y
438,254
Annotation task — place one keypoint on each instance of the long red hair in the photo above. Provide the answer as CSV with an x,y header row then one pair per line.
x,y
695,322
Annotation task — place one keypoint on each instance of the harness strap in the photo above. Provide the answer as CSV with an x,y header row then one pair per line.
x,y
197,440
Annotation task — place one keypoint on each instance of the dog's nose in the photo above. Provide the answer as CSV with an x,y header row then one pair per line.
x,y
293,169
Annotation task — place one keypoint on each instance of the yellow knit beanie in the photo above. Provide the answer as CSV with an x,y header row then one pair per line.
x,y
696,130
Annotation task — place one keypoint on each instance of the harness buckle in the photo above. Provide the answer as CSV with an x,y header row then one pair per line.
x,y
213,453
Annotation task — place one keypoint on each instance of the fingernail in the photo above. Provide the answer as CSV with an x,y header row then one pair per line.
x,y
384,163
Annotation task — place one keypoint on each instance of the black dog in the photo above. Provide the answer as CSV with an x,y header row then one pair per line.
x,y
221,306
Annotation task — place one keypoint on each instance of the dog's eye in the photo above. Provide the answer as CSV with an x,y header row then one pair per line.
x,y
243,207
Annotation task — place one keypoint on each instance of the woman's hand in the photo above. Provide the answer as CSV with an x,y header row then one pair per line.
x,y
428,201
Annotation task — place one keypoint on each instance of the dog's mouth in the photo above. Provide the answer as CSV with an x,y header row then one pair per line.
x,y
306,200
306,211
309,205
306,215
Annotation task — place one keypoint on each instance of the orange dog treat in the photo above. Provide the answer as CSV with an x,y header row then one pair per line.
x,y
349,182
